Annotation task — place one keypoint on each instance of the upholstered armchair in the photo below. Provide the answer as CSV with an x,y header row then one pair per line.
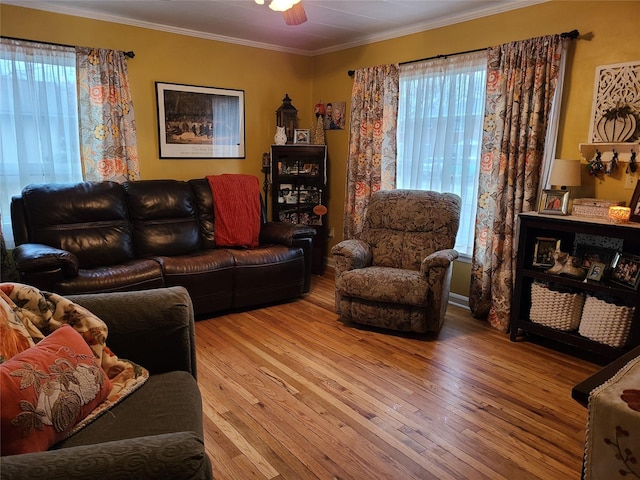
x,y
398,273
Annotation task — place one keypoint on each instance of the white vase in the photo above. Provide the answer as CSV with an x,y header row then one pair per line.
x,y
280,137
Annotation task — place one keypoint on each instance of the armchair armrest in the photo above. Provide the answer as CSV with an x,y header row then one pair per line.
x,y
441,258
351,254
42,265
172,456
284,233
154,328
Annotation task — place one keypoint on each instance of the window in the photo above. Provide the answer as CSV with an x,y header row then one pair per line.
x,y
440,117
39,140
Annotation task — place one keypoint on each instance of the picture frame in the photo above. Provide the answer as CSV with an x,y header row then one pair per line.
x,y
554,202
626,270
301,136
199,122
544,250
635,204
588,255
596,270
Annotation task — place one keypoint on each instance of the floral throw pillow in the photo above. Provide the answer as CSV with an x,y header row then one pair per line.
x,y
46,390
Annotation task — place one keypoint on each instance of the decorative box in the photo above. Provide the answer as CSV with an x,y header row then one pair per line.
x,y
593,207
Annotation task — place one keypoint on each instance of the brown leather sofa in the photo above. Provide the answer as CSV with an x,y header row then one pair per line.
x,y
94,237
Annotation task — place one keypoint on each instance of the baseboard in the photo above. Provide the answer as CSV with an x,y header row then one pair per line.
x,y
458,300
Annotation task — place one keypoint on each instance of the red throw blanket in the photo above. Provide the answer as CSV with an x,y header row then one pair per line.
x,y
236,208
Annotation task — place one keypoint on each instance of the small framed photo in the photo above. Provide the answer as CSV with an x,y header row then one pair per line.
x,y
554,202
544,250
301,136
596,270
588,255
626,270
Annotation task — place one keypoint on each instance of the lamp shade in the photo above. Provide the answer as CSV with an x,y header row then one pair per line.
x,y
565,173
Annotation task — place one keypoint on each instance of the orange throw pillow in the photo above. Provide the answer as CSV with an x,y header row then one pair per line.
x,y
46,390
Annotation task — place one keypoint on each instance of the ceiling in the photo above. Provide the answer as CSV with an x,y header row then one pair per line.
x,y
332,24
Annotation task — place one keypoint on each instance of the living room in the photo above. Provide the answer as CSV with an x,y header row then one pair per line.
x,y
607,37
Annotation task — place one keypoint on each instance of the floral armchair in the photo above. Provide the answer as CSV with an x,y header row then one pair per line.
x,y
397,275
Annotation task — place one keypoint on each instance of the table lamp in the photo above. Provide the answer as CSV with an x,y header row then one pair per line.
x,y
565,173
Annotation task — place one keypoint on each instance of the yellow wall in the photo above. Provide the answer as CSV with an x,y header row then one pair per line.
x,y
611,36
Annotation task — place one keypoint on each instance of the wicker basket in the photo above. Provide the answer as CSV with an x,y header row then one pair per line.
x,y
606,322
559,310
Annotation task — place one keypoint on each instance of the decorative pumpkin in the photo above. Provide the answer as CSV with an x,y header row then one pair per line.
x,y
617,124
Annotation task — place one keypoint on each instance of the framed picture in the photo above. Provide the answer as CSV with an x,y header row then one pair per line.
x,y
635,204
626,270
554,202
301,136
200,122
596,270
544,250
588,255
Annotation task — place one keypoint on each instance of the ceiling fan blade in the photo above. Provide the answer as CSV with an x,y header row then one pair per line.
x,y
295,15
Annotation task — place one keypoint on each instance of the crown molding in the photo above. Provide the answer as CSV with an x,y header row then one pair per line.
x,y
365,40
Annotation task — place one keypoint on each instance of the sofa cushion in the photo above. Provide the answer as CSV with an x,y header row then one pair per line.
x,y
134,275
47,390
384,284
207,274
87,219
163,215
267,274
167,402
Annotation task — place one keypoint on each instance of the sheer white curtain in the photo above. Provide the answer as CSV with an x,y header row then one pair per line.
x,y
551,138
38,119
440,118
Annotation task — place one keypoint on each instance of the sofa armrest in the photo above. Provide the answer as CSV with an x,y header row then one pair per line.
x,y
350,255
284,233
291,235
154,328
171,456
41,265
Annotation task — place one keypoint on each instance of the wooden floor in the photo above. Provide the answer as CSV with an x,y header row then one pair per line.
x,y
290,392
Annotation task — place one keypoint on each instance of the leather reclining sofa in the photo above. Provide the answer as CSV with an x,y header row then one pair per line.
x,y
96,237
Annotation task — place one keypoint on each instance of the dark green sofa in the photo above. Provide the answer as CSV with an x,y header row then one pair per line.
x,y
155,433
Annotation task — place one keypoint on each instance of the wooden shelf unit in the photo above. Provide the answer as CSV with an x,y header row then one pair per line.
x,y
565,228
299,185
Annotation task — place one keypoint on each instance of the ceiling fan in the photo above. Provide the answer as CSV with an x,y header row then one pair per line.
x,y
292,10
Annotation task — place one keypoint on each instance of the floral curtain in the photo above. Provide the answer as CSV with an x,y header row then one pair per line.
x,y
372,143
107,124
521,79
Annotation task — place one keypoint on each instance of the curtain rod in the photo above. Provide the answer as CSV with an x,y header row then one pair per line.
x,y
129,54
573,34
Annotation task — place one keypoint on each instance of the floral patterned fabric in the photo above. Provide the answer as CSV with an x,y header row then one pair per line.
x,y
397,275
372,145
107,123
520,85
29,315
612,443
47,390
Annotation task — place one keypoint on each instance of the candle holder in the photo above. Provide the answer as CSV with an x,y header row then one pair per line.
x,y
619,214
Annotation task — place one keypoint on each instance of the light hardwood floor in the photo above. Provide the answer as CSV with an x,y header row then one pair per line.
x,y
290,392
